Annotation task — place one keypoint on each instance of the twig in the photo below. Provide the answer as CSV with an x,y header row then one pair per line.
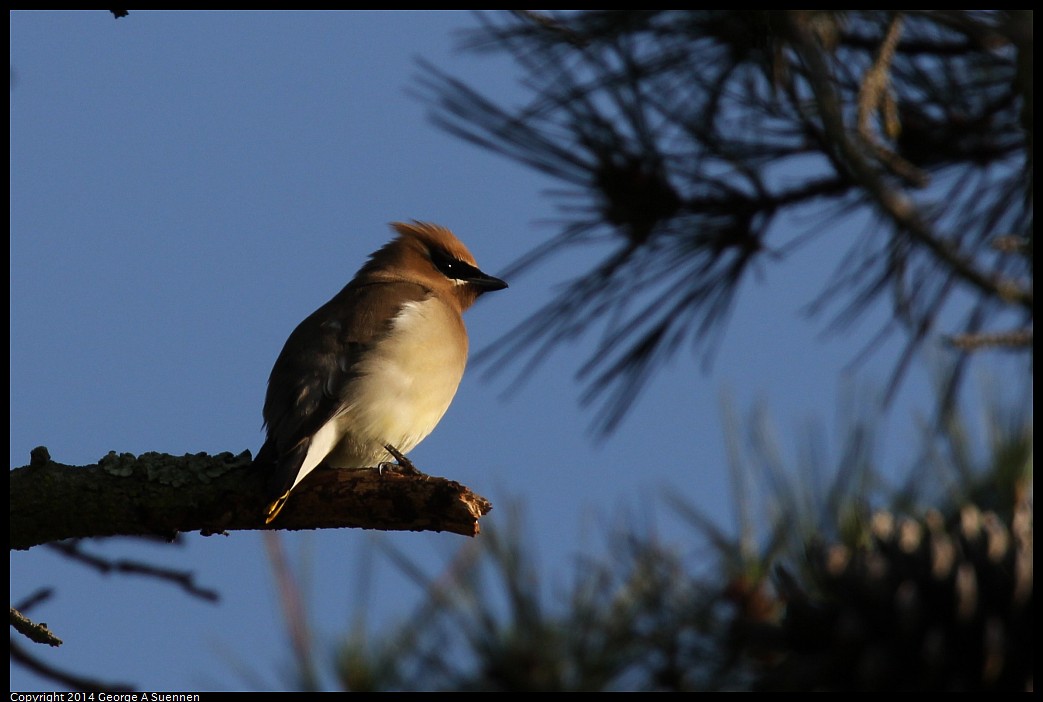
x,y
69,680
293,609
41,595
184,579
1015,338
38,633
896,205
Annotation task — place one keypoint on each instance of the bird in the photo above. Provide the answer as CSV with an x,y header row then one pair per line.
x,y
367,376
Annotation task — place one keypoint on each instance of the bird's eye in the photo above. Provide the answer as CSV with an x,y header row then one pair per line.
x,y
450,267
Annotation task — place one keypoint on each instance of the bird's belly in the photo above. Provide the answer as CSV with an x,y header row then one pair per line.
x,y
404,386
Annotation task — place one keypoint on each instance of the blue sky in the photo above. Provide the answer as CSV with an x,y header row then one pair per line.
x,y
186,187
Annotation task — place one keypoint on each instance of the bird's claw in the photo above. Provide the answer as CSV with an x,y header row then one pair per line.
x,y
402,464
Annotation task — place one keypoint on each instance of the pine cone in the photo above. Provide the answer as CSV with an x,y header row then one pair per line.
x,y
925,605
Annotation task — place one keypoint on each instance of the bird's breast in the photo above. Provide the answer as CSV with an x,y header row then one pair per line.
x,y
404,383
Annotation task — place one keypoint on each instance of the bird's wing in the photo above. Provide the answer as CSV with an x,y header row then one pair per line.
x,y
319,358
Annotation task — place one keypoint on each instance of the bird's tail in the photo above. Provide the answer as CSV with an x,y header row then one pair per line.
x,y
274,507
282,472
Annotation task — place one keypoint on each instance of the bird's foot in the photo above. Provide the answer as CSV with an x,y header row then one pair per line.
x,y
402,464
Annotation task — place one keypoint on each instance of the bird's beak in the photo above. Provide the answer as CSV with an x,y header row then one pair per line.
x,y
486,283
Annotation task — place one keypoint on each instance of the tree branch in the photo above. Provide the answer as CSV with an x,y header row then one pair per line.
x,y
70,680
159,494
1012,339
71,548
38,633
895,205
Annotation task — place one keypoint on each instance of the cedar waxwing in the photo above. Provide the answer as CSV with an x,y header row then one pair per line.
x,y
377,365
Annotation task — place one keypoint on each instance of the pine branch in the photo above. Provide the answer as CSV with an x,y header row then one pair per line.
x,y
159,494
669,129
66,679
38,633
73,550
